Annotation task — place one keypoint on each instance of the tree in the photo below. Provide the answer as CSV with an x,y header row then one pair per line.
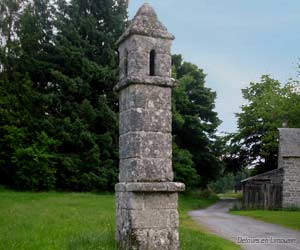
x,y
269,104
231,153
61,88
184,167
194,119
85,74
10,11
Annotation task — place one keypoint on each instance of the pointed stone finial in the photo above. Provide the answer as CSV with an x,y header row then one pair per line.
x,y
146,23
146,10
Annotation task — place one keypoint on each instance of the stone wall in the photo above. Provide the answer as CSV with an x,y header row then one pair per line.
x,y
291,182
289,161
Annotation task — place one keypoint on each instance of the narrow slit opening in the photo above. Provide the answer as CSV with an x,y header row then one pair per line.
x,y
126,63
152,63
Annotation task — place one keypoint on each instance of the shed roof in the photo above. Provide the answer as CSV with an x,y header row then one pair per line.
x,y
264,176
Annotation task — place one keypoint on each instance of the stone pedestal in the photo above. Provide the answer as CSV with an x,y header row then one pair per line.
x,y
147,216
146,197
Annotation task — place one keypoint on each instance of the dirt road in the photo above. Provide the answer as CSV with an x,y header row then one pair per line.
x,y
249,233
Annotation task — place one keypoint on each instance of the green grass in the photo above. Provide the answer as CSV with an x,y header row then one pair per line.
x,y
75,221
286,218
237,195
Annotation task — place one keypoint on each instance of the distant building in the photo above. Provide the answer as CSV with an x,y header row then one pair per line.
x,y
279,188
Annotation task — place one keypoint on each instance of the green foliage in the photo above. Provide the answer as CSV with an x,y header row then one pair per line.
x,y
285,218
184,167
269,104
232,154
34,164
194,124
58,69
228,182
59,120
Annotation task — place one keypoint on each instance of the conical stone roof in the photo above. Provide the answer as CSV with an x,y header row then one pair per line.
x,y
146,23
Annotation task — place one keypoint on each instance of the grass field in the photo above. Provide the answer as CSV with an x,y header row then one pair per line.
x,y
286,218
75,221
237,195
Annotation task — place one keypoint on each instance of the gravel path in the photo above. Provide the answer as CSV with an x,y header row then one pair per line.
x,y
251,234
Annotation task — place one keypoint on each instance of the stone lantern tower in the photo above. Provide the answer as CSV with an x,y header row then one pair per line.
x,y
146,196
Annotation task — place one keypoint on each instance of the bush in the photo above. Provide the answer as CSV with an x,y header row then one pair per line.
x,y
35,164
202,194
224,184
228,182
184,167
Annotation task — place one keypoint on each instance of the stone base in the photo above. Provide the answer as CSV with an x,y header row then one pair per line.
x,y
147,216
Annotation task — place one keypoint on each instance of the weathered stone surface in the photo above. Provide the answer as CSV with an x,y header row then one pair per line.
x,y
139,239
159,239
138,63
163,65
291,182
161,201
149,120
147,97
146,197
289,142
135,61
140,43
145,239
147,220
137,79
146,170
145,145
146,23
150,187
154,218
289,161
144,200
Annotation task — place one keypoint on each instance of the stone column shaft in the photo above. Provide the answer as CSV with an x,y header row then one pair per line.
x,y
146,196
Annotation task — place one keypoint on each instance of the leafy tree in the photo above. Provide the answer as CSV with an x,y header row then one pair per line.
x,y
58,108
232,154
184,168
16,109
229,182
86,72
60,87
269,104
194,119
35,164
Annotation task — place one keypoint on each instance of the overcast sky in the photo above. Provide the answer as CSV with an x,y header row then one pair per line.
x,y
234,41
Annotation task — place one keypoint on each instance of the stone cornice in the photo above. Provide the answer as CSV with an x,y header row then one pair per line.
x,y
145,80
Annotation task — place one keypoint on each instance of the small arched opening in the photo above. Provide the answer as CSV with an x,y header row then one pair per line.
x,y
126,63
152,62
